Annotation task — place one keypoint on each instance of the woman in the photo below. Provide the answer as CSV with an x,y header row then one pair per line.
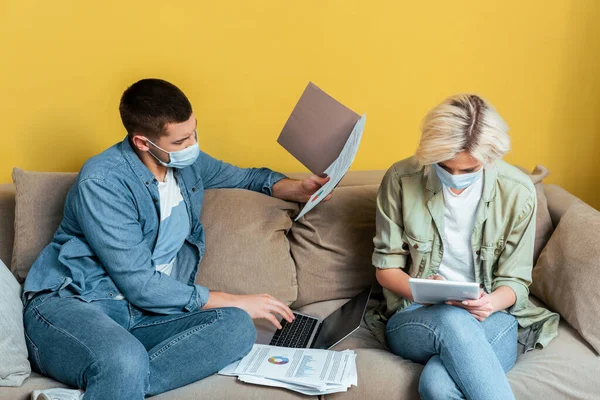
x,y
455,211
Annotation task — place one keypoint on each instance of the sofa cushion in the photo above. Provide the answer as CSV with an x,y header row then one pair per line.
x,y
214,387
567,368
383,375
559,201
40,198
567,275
7,222
14,368
543,221
332,246
247,250
228,387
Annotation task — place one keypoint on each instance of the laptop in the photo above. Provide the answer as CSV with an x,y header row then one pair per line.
x,y
307,331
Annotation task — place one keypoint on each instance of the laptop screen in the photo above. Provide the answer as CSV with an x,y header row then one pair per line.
x,y
342,322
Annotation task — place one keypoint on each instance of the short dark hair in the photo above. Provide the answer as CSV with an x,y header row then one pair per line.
x,y
150,104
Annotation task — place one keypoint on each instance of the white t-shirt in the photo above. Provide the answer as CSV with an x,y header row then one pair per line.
x,y
459,220
174,224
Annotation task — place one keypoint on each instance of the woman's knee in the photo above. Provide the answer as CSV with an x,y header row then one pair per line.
x,y
455,322
436,383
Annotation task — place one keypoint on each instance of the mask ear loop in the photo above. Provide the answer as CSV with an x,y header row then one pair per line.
x,y
158,147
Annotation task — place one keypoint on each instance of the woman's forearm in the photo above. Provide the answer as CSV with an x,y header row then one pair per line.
x,y
502,298
395,280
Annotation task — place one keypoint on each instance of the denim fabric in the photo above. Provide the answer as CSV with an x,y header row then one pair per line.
x,y
103,246
113,350
463,358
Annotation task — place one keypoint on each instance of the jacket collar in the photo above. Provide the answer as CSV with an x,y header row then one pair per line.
x,y
135,163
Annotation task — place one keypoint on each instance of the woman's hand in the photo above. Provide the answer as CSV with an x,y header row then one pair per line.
x,y
481,308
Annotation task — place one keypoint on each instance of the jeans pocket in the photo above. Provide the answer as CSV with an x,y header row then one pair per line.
x,y
34,354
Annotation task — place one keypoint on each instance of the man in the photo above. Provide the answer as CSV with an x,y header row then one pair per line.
x,y
111,304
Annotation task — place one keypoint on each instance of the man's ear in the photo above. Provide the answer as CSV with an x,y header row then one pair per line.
x,y
140,142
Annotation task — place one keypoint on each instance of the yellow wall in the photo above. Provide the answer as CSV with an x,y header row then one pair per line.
x,y
64,64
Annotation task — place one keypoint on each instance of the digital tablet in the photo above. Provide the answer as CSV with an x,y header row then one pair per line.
x,y
432,291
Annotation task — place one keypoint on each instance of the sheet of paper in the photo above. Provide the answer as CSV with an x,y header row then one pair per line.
x,y
338,168
230,369
307,366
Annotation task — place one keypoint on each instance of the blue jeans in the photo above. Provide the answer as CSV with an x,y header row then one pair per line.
x,y
113,350
463,358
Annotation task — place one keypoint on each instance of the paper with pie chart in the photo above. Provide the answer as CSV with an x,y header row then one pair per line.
x,y
338,168
308,371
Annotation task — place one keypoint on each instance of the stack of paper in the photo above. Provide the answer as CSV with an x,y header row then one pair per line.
x,y
307,371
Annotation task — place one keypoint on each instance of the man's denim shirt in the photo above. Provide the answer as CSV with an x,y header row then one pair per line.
x,y
103,246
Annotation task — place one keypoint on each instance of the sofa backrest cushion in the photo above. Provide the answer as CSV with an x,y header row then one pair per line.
x,y
7,222
40,199
567,275
247,250
332,246
543,221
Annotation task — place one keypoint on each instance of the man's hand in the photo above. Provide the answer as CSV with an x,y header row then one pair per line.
x,y
480,308
299,190
257,305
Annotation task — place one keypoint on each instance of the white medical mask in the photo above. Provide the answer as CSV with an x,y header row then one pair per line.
x,y
457,182
179,159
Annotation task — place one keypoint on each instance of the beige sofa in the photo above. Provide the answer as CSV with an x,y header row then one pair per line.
x,y
314,265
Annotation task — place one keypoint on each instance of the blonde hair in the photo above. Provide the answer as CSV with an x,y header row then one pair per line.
x,y
464,122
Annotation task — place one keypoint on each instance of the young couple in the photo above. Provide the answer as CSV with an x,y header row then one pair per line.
x,y
111,307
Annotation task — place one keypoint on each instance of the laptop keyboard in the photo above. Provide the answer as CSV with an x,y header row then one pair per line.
x,y
295,334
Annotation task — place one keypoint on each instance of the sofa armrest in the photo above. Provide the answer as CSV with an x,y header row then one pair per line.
x,y
7,222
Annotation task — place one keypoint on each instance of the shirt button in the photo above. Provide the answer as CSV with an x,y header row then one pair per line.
x,y
147,183
478,252
416,246
110,294
404,246
193,189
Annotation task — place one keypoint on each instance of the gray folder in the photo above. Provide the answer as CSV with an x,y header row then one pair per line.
x,y
317,129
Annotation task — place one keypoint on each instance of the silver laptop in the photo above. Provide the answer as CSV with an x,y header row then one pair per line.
x,y
307,331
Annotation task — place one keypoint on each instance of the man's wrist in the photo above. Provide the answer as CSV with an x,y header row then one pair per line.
x,y
287,189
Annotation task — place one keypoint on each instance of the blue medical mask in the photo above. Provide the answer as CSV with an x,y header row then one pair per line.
x,y
457,182
179,159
